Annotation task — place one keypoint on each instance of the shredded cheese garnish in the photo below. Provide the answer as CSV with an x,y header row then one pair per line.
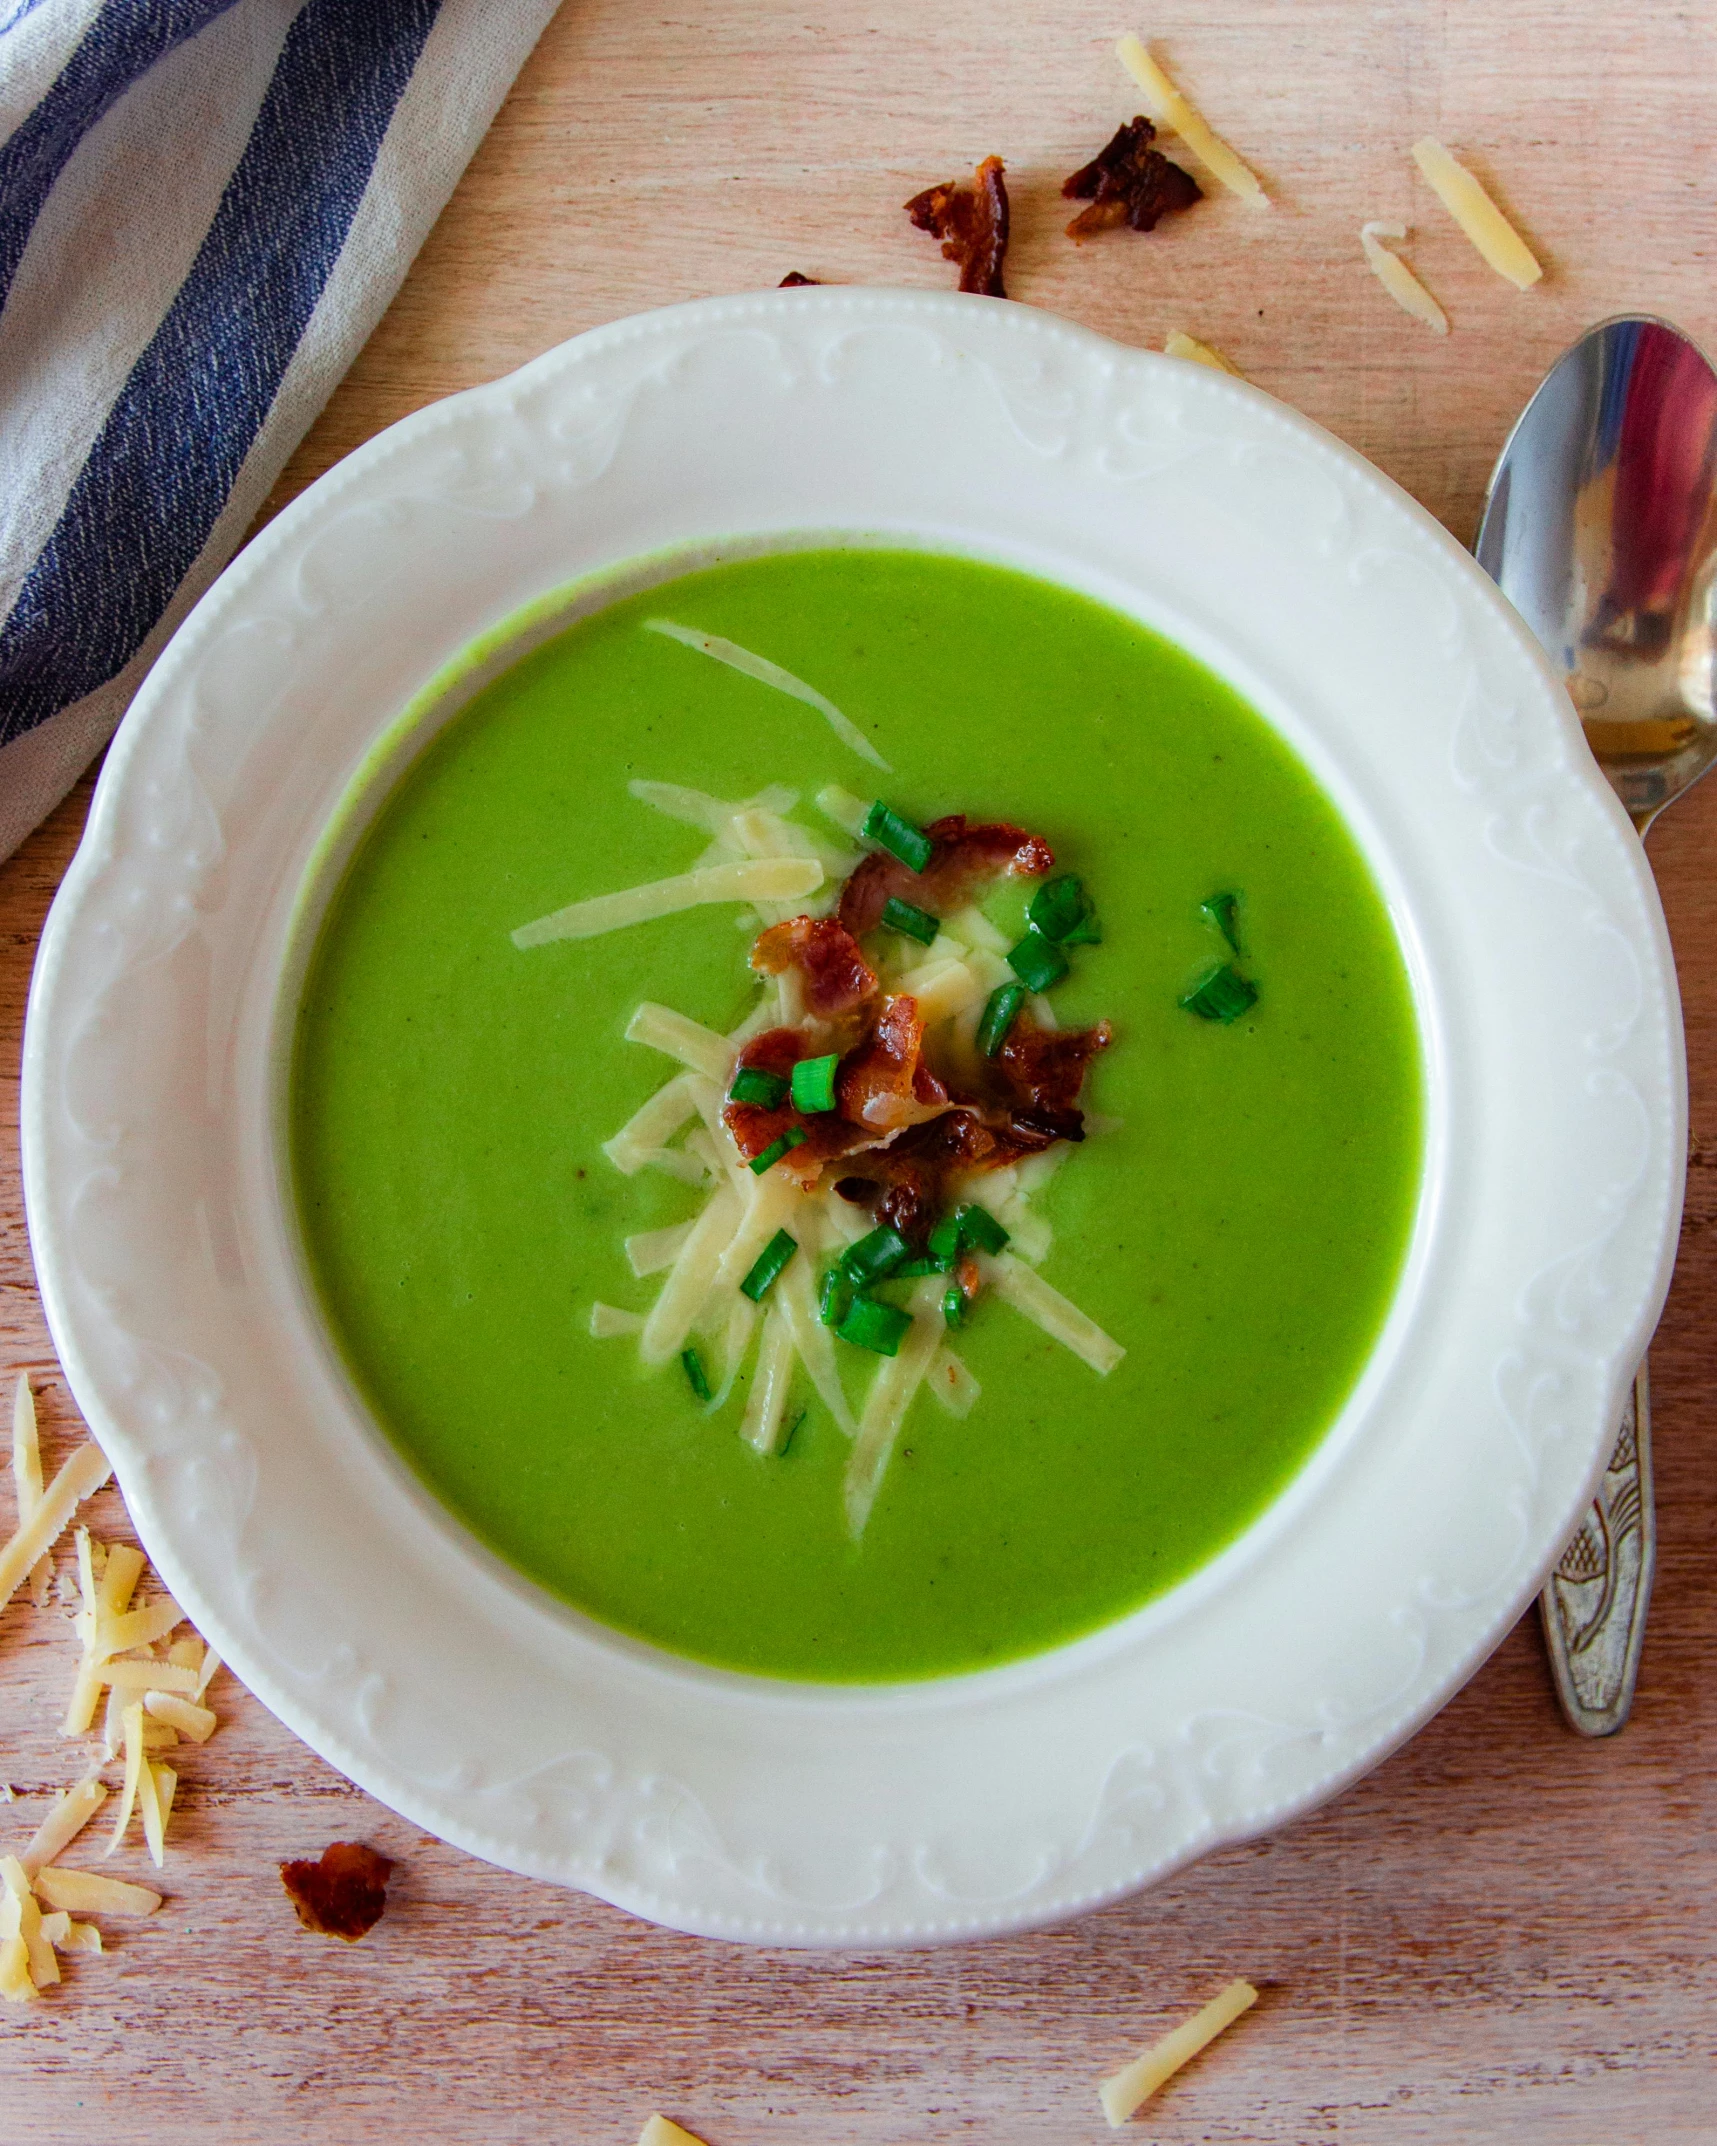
x,y
1178,345
1122,2093
1028,1293
1397,278
890,1396
676,1036
771,674
951,1383
1477,214
1171,110
777,879
609,1323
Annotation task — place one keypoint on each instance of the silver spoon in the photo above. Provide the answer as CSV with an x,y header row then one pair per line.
x,y
1600,527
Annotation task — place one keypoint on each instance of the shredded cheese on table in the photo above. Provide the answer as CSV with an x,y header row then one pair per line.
x,y
1178,345
660,2132
1122,2093
74,1810
1489,229
87,1892
1397,278
81,1477
1172,111
27,1477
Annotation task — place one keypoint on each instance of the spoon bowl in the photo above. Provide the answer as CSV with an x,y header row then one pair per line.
x,y
1600,527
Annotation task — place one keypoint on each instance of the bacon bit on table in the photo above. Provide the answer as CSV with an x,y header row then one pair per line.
x,y
972,223
1129,182
965,857
837,977
341,1895
793,281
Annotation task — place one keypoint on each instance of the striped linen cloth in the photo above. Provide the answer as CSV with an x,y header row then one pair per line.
x,y
205,205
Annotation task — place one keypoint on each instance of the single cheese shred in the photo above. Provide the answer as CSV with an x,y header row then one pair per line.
x,y
1397,278
1189,347
1477,214
1123,2092
1172,111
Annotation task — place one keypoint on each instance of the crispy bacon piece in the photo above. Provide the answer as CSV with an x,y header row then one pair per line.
x,y
965,858
837,979
1128,182
343,1893
793,281
828,1134
885,1085
1041,1071
972,223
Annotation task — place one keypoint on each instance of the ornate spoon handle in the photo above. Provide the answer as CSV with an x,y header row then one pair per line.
x,y
1594,1603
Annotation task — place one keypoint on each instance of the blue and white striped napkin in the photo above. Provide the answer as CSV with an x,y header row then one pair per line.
x,y
205,206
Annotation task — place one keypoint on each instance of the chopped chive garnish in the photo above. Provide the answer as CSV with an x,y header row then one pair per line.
x,y
1058,906
752,1085
773,1257
1004,1004
694,1370
814,1083
899,837
1037,962
876,1326
915,1269
1087,932
792,1433
917,924
954,1306
980,1228
1223,995
793,1137
876,1254
836,1299
945,1239
1223,910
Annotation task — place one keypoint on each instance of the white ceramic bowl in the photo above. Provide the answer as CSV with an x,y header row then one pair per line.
x,y
365,1617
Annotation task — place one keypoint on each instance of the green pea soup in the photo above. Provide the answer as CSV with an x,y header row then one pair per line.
x,y
1240,1224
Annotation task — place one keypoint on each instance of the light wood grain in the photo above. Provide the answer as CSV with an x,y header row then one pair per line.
x,y
1502,1934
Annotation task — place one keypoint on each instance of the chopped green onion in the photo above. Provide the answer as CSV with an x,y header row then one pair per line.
x,y
876,1254
694,1370
1058,905
945,1240
1223,910
917,924
1223,995
752,1085
836,1299
915,1270
1087,932
773,1257
954,1306
978,1227
814,1083
876,1326
792,1433
1004,1004
1037,962
793,1137
899,837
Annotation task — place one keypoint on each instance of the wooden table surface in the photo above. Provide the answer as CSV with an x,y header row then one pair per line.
x,y
1503,1934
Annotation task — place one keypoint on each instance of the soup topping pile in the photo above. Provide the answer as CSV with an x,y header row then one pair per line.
x,y
872,1135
